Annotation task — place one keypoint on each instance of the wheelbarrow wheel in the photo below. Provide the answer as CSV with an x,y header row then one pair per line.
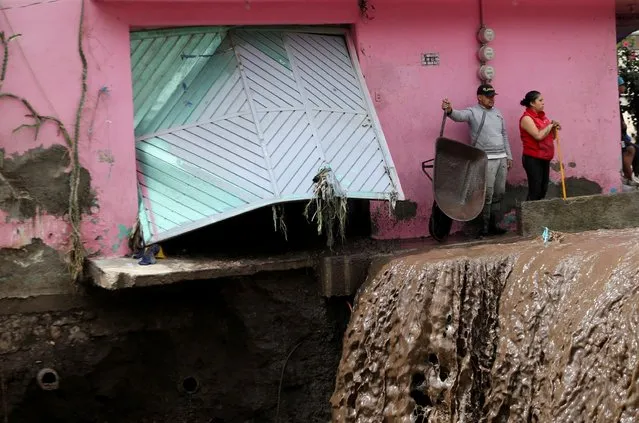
x,y
439,225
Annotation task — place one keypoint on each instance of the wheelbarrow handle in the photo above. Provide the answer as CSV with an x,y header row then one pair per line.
x,y
428,164
441,131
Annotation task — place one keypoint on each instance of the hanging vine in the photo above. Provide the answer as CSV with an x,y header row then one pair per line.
x,y
77,253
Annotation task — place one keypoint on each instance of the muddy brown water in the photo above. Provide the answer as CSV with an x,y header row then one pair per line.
x,y
523,332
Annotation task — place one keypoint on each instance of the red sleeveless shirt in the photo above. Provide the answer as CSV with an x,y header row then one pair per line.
x,y
544,149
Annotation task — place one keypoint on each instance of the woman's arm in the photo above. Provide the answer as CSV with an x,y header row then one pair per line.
x,y
528,125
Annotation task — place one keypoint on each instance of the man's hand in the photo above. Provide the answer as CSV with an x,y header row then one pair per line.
x,y
447,106
509,163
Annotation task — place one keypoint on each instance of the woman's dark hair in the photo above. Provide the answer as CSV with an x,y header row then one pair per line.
x,y
531,96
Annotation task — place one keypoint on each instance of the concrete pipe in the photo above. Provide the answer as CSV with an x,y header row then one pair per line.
x,y
48,379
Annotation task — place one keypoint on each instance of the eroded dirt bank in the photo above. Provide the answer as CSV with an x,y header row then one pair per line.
x,y
197,352
498,333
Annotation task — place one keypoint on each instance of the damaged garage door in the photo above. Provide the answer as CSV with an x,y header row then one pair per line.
x,y
229,120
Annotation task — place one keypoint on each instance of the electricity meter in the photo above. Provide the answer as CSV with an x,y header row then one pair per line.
x,y
486,73
486,35
486,54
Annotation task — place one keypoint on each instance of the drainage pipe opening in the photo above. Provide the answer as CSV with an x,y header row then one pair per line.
x,y
48,379
190,385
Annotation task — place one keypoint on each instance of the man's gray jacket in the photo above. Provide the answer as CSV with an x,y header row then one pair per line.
x,y
493,139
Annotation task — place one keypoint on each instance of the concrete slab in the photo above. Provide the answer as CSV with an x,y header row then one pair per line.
x,y
338,274
122,273
579,214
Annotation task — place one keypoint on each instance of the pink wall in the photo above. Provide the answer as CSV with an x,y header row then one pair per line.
x,y
569,56
45,69
564,51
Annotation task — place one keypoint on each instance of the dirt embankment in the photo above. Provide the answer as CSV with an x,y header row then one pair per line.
x,y
207,351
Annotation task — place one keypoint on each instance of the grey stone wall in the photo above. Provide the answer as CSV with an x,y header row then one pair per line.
x,y
579,214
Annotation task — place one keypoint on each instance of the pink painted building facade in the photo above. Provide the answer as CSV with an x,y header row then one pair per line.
x,y
566,51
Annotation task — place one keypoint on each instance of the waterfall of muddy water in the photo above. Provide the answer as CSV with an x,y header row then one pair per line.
x,y
498,333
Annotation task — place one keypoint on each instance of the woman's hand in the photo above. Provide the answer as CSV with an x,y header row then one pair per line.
x,y
556,125
447,106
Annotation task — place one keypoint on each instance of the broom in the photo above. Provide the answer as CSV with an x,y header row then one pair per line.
x,y
561,164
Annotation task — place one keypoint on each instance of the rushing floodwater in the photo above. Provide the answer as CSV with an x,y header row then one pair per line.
x,y
522,332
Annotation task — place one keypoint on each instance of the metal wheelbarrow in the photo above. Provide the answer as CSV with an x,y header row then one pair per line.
x,y
459,183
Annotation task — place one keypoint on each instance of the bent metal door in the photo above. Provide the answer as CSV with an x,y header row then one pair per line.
x,y
227,121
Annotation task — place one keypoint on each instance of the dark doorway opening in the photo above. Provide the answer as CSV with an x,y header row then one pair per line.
x,y
254,233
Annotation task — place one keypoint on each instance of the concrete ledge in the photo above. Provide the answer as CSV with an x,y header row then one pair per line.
x,y
579,214
338,274
127,273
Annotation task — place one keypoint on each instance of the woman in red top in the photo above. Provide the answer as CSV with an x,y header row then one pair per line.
x,y
537,135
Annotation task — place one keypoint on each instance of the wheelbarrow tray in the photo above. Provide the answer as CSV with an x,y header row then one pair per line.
x,y
459,179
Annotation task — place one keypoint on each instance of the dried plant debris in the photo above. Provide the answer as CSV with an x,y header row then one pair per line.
x,y
328,207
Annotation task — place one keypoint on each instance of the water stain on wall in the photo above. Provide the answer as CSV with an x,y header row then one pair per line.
x,y
37,181
405,210
556,167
